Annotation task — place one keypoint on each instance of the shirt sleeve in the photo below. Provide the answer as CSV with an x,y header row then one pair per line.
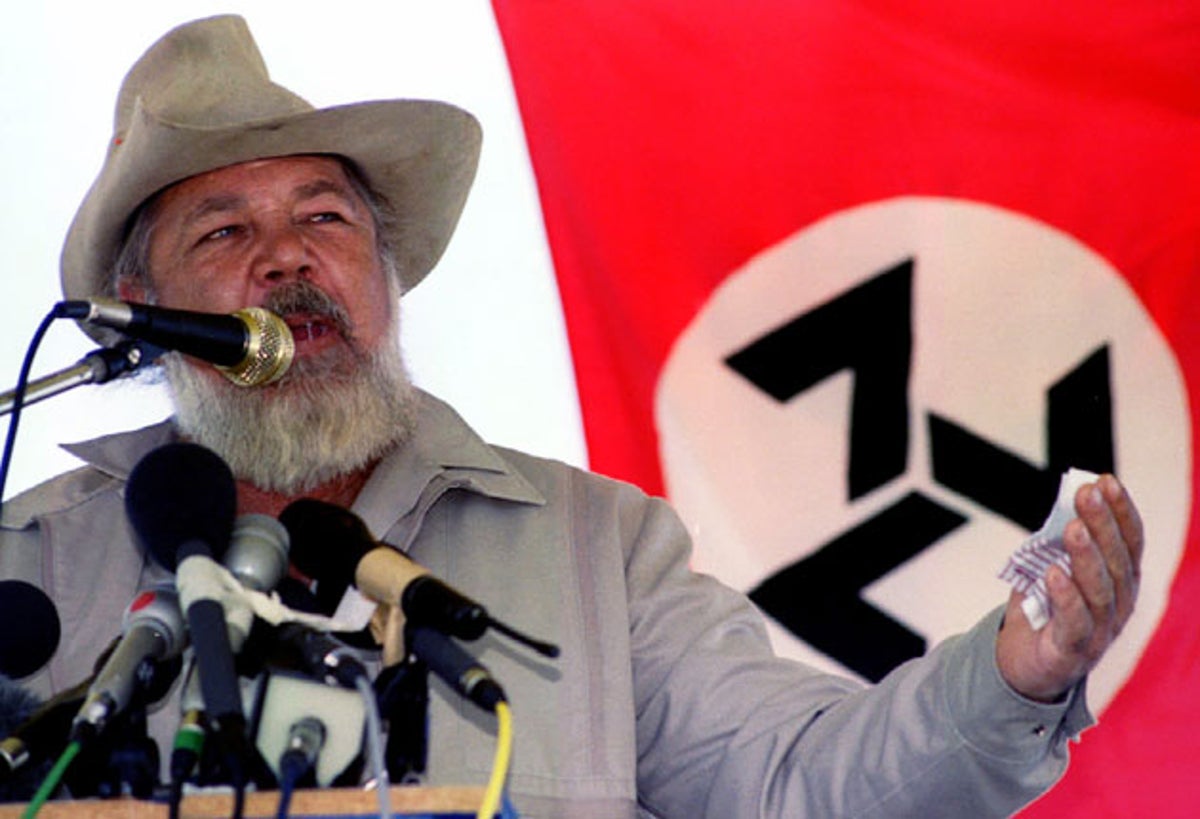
x,y
724,728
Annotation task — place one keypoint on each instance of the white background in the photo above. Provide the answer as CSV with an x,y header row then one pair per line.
x,y
483,331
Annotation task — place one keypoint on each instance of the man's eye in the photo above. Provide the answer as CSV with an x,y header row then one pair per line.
x,y
220,233
326,216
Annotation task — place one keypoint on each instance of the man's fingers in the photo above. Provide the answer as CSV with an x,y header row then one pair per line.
x,y
1089,604
1125,513
1105,526
1092,570
1073,624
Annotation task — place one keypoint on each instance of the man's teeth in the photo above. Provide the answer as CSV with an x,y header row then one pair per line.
x,y
309,330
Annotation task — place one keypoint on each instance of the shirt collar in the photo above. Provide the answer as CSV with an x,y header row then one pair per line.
x,y
443,447
443,452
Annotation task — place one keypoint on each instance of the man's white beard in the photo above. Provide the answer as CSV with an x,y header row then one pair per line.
x,y
330,415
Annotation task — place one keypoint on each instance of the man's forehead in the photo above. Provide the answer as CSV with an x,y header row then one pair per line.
x,y
230,186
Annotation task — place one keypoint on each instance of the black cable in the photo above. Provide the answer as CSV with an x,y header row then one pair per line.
x,y
230,737
189,745
19,396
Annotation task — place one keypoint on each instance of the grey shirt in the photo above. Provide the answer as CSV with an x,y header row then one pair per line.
x,y
666,701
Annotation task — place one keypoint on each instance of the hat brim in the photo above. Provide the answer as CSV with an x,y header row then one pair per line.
x,y
420,154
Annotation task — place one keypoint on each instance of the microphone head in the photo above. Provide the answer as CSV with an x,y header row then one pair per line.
x,y
327,544
16,705
270,349
181,494
158,608
32,628
19,777
258,552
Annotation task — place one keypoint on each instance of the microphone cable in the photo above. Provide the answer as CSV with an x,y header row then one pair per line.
x,y
495,786
305,740
185,753
99,366
19,396
375,756
52,780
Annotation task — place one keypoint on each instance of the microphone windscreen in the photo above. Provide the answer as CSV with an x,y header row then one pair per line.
x,y
178,494
18,782
16,705
327,544
29,628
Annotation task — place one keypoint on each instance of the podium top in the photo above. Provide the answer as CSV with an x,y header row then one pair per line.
x,y
339,803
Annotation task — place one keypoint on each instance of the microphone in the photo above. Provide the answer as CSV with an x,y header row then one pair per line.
x,y
152,630
181,500
257,558
334,546
251,346
455,666
100,366
258,552
28,748
31,630
17,708
320,655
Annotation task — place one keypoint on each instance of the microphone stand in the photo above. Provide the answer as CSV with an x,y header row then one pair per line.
x,y
97,367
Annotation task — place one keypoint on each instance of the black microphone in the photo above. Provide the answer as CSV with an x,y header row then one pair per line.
x,y
320,654
455,666
333,546
181,500
251,346
152,631
31,628
258,558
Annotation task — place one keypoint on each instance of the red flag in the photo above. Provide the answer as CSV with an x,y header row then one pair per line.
x,y
853,283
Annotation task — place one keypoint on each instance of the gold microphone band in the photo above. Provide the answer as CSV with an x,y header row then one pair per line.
x,y
269,349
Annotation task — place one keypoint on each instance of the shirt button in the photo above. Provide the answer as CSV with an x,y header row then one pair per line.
x,y
1039,731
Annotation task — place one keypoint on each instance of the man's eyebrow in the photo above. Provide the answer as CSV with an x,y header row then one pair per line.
x,y
226,202
219,203
318,187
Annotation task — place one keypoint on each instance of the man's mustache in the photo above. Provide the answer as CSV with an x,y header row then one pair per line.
x,y
301,297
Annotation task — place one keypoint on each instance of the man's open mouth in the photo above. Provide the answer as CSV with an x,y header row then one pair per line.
x,y
308,328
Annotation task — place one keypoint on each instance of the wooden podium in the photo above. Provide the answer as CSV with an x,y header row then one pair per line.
x,y
335,803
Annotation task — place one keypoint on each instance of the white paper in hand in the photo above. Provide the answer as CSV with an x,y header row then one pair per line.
x,y
1026,569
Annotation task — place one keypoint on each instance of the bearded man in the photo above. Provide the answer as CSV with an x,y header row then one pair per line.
x,y
222,190
300,236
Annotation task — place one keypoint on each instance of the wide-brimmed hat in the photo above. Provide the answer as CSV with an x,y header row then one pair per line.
x,y
200,99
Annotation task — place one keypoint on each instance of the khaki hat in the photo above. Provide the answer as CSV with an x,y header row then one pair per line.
x,y
200,99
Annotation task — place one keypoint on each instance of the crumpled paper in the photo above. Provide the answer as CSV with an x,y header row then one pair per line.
x,y
1026,568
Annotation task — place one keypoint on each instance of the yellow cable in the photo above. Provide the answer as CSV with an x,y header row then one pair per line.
x,y
495,786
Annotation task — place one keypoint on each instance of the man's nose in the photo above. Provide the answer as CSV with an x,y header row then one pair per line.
x,y
283,255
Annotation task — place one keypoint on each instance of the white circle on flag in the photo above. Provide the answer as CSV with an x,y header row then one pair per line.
x,y
1002,308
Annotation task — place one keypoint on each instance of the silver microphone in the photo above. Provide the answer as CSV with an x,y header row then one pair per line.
x,y
153,629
